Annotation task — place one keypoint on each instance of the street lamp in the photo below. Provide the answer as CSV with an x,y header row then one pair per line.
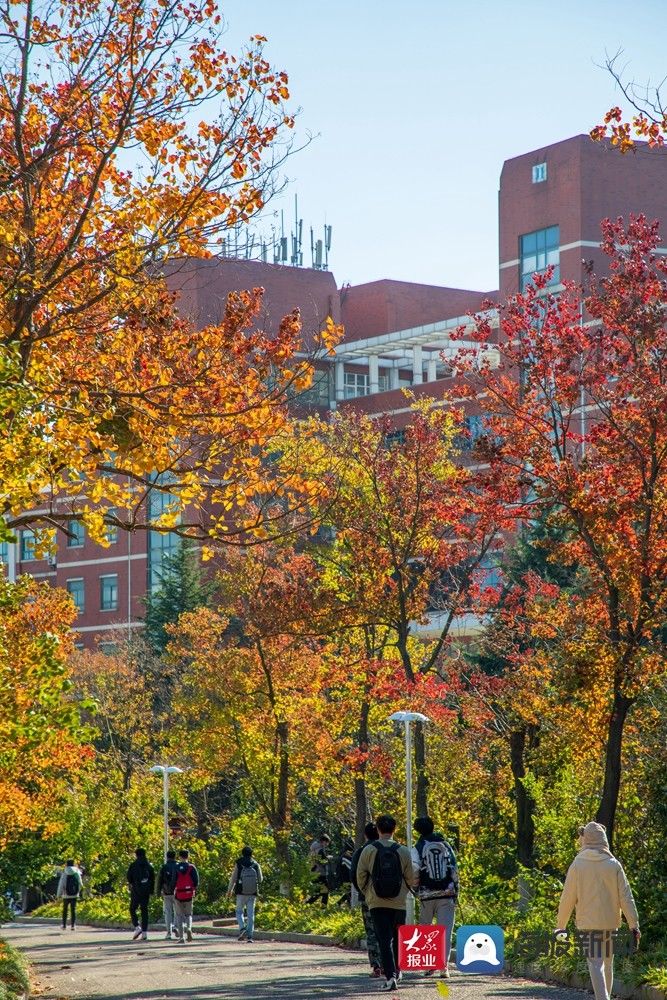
x,y
406,718
166,771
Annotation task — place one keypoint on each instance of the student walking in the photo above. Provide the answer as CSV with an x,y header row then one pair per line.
x,y
187,881
166,883
321,862
141,880
69,890
371,834
385,875
597,889
244,884
435,860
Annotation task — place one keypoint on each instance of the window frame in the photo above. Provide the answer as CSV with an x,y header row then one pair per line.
x,y
103,578
538,247
79,540
77,579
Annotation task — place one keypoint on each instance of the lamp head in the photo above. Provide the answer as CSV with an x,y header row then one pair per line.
x,y
408,717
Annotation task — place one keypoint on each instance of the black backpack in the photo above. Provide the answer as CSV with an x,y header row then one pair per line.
x,y
169,874
387,872
71,885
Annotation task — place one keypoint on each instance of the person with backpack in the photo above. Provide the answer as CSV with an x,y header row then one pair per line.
x,y
371,834
69,890
244,883
385,875
187,881
343,867
322,866
166,883
141,880
438,888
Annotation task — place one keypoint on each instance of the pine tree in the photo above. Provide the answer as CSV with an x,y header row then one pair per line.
x,y
183,587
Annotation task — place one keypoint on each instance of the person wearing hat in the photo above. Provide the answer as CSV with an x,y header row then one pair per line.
x,y
597,889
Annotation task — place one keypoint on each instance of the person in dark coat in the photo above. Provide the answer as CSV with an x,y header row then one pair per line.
x,y
141,881
371,834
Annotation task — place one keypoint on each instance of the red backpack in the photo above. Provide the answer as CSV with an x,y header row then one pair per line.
x,y
185,886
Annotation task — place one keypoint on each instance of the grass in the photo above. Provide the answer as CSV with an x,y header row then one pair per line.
x,y
14,982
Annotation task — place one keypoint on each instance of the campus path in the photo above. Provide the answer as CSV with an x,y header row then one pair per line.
x,y
106,965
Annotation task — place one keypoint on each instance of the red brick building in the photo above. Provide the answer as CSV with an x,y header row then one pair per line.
x,y
398,333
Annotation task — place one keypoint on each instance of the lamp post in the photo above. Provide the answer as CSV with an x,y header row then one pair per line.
x,y
407,718
165,771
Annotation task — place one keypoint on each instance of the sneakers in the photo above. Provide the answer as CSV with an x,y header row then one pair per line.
x,y
389,986
180,940
445,974
243,934
144,936
167,936
250,941
137,934
188,934
399,977
376,972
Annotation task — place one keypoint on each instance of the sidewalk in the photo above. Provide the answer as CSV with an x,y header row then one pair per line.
x,y
98,964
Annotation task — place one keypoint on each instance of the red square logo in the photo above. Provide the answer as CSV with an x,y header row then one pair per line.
x,y
421,947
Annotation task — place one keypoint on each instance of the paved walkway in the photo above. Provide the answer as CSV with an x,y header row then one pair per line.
x,y
106,965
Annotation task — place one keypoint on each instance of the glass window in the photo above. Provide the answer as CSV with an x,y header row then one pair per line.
x,y
537,251
395,438
77,591
4,552
108,648
77,534
109,593
539,173
474,425
27,545
318,393
383,383
162,545
356,384
111,530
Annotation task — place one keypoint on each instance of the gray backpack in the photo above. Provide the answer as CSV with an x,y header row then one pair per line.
x,y
247,882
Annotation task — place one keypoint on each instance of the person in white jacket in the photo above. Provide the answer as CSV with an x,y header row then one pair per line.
x,y
597,889
69,890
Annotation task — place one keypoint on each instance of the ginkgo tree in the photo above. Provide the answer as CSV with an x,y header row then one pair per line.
x,y
578,413
130,138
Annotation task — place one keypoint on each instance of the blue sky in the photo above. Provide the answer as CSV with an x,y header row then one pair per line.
x,y
416,106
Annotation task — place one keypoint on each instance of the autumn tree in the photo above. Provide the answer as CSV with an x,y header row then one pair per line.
x,y
411,535
41,746
578,412
647,121
129,138
251,678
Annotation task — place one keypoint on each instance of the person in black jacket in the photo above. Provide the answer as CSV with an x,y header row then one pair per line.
x,y
371,834
141,880
166,883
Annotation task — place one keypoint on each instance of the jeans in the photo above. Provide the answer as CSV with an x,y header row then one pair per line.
x,y
72,903
247,902
141,903
168,904
442,909
372,946
183,908
386,923
601,964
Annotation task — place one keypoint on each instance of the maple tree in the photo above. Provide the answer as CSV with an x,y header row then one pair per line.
x,y
648,123
40,736
578,412
412,531
130,138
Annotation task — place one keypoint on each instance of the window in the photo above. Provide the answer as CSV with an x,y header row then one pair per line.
x,y
77,534
383,383
111,530
318,393
76,590
4,552
537,252
474,425
162,545
356,384
539,173
394,439
108,648
109,593
27,545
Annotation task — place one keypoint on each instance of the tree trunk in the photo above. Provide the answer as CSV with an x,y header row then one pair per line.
x,y
525,804
360,798
422,781
606,813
